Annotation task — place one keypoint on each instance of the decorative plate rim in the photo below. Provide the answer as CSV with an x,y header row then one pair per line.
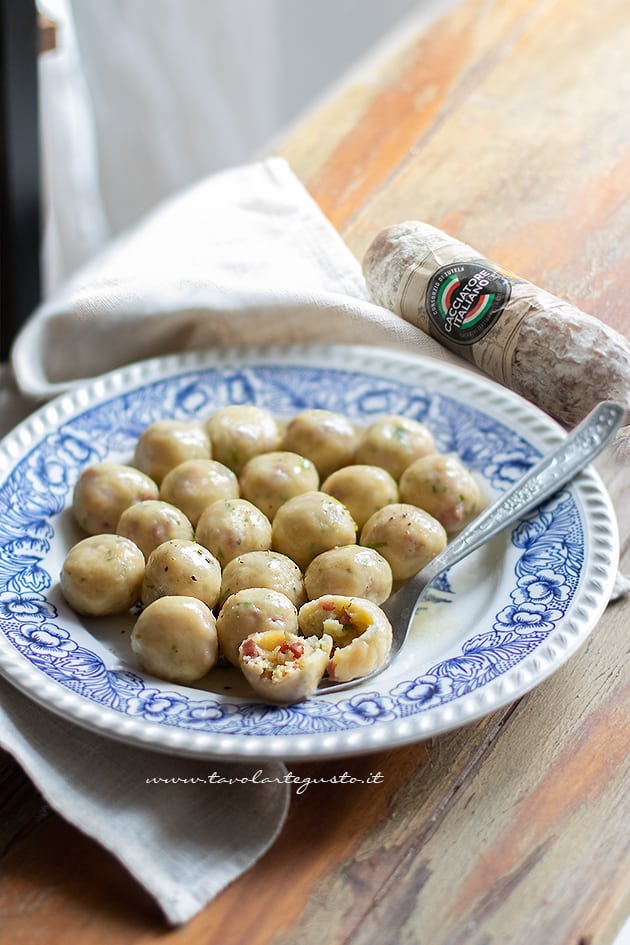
x,y
502,405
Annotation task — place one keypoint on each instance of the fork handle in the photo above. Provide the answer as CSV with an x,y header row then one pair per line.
x,y
538,484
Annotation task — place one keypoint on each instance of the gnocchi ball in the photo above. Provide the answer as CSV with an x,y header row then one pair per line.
x,y
181,567
102,575
232,527
443,487
254,610
309,524
406,536
264,569
175,638
239,432
328,439
167,443
197,483
350,570
104,491
393,442
270,479
360,631
284,667
362,489
151,522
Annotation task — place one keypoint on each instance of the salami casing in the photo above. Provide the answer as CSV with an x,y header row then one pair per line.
x,y
550,352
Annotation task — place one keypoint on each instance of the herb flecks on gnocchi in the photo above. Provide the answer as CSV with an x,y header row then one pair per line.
x,y
360,631
103,492
175,638
102,575
232,527
309,524
283,667
350,570
166,443
181,567
442,486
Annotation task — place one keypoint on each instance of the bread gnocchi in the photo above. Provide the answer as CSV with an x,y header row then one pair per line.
x,y
327,438
361,634
264,569
309,524
151,522
231,527
181,567
271,479
167,443
239,432
253,610
393,442
406,536
175,638
102,575
236,552
442,486
362,489
282,666
103,492
350,570
196,483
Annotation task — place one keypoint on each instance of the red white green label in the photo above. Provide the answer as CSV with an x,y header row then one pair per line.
x,y
464,300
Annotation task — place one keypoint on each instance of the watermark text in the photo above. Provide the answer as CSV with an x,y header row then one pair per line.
x,y
301,783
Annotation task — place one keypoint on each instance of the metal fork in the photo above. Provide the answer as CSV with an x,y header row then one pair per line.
x,y
538,484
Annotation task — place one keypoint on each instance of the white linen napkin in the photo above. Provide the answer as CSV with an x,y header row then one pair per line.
x,y
184,828
245,256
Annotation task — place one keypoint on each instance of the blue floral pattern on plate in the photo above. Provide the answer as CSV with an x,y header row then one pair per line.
x,y
547,549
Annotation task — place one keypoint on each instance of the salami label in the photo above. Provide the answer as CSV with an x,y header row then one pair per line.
x,y
468,304
464,300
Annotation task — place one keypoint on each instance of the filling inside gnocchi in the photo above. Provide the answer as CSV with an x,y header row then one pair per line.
x,y
346,626
283,666
360,631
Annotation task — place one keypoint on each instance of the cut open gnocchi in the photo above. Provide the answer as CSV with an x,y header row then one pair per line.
x,y
361,634
283,667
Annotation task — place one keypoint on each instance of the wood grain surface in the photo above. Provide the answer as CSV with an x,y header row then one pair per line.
x,y
507,125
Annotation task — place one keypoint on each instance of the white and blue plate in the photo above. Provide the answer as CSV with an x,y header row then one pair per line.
x,y
496,625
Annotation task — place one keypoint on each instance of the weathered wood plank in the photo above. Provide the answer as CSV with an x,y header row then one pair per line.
x,y
507,125
515,141
405,105
57,886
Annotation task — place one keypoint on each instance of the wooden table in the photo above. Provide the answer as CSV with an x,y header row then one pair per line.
x,y
506,124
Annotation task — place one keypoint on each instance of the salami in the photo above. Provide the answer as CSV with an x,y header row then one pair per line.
x,y
540,346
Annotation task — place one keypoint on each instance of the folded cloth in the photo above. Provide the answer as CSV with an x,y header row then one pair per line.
x,y
243,257
183,828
